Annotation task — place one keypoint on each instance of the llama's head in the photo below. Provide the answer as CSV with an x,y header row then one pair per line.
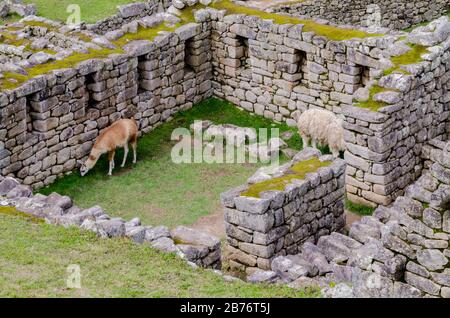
x,y
87,165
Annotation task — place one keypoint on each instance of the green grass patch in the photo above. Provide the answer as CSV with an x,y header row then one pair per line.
x,y
158,190
91,11
34,258
297,171
358,208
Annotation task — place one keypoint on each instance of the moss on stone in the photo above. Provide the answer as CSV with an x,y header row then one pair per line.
x,y
371,103
83,37
13,80
331,32
39,24
411,57
11,211
144,34
297,171
11,39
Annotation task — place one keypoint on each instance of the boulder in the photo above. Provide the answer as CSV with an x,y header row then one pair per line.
x,y
164,244
260,276
7,185
157,232
20,192
111,228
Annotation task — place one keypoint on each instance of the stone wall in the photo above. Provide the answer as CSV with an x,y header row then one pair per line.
x,y
278,70
52,120
399,14
401,251
384,148
279,222
127,13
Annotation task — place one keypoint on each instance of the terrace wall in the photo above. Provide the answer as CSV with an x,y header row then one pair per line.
x,y
399,14
52,121
280,222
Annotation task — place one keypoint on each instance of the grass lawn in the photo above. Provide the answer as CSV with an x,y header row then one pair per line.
x,y
34,258
91,11
157,190
358,209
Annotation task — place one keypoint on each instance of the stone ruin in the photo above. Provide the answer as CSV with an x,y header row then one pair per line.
x,y
401,251
262,225
399,15
151,60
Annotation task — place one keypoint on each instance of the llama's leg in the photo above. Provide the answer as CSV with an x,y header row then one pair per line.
x,y
314,143
305,141
335,153
125,154
134,146
111,161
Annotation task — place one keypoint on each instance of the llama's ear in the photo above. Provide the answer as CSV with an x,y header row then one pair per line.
x,y
80,162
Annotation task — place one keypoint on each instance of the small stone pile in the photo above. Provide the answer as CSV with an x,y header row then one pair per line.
x,y
400,251
215,137
128,13
199,249
279,222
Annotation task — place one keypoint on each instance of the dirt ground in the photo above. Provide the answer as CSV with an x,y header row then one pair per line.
x,y
213,224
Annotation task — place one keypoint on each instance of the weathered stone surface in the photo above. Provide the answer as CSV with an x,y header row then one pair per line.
x,y
19,192
422,283
260,276
154,233
402,290
164,244
111,228
432,259
137,234
287,269
7,185
185,235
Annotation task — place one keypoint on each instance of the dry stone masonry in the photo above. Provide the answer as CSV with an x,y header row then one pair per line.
x,y
278,222
52,120
391,88
398,14
401,251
